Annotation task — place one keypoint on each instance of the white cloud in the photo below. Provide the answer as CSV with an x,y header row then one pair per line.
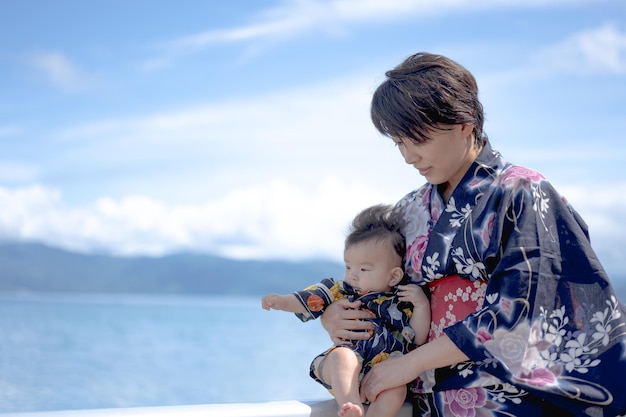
x,y
61,72
291,19
293,134
598,50
287,202
267,168
602,207
275,220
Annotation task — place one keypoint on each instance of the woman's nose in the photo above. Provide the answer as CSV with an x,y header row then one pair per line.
x,y
409,154
411,157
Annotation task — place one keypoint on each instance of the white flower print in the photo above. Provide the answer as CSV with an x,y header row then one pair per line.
x,y
478,292
432,264
458,216
574,350
554,326
540,203
603,327
467,266
507,392
465,369
538,355
574,356
492,298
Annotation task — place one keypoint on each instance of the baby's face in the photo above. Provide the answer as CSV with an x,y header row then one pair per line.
x,y
369,266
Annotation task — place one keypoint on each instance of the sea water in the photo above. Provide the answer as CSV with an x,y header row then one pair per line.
x,y
62,352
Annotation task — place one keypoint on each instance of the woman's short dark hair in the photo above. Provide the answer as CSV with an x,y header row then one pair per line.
x,y
423,93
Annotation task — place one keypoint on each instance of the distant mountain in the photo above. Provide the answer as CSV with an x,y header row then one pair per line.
x,y
36,267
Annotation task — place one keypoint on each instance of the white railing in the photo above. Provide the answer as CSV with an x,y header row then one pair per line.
x,y
326,408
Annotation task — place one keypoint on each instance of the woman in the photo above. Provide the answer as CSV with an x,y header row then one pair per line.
x,y
524,319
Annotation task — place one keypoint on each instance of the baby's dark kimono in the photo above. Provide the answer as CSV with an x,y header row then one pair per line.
x,y
391,336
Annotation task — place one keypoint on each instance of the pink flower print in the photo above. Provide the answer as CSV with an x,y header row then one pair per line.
x,y
541,377
435,211
475,182
463,402
488,229
416,251
483,335
425,196
506,305
512,176
509,345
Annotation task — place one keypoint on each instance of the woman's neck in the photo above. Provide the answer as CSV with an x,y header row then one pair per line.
x,y
446,189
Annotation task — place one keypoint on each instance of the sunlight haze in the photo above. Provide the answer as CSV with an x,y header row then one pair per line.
x,y
242,128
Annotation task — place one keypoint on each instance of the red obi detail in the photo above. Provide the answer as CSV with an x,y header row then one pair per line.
x,y
452,299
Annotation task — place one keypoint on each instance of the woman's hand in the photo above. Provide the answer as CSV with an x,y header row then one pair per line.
x,y
344,321
398,371
391,373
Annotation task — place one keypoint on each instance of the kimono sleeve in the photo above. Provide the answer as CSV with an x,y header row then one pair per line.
x,y
551,322
317,297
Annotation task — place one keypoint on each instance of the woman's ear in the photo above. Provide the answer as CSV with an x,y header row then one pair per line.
x,y
396,276
467,129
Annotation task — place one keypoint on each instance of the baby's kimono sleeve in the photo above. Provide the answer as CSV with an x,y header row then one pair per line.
x,y
317,297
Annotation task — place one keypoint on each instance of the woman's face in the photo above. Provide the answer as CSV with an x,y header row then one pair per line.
x,y
444,157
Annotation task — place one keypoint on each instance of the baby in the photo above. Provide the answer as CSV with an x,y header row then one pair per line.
x,y
374,252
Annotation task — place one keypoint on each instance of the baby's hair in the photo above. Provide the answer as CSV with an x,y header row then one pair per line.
x,y
381,223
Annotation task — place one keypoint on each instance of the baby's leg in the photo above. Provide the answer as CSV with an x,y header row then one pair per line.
x,y
341,371
388,403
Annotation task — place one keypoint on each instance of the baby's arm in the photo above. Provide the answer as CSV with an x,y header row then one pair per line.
x,y
288,302
420,321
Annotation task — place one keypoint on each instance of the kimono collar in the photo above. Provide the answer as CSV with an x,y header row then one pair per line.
x,y
347,290
480,174
489,159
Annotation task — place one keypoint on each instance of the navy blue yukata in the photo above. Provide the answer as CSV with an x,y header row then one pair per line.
x,y
517,287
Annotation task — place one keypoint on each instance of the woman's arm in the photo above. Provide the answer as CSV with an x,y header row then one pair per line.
x,y
398,371
342,320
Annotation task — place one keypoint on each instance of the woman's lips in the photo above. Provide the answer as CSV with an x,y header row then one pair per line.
x,y
423,171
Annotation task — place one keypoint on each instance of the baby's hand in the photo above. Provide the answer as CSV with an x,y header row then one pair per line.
x,y
270,301
413,294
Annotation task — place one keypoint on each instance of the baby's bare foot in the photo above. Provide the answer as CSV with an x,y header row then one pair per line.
x,y
350,410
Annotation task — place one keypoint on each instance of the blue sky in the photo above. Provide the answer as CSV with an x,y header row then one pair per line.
x,y
241,128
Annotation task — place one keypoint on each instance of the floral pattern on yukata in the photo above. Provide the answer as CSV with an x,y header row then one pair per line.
x,y
544,331
392,334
